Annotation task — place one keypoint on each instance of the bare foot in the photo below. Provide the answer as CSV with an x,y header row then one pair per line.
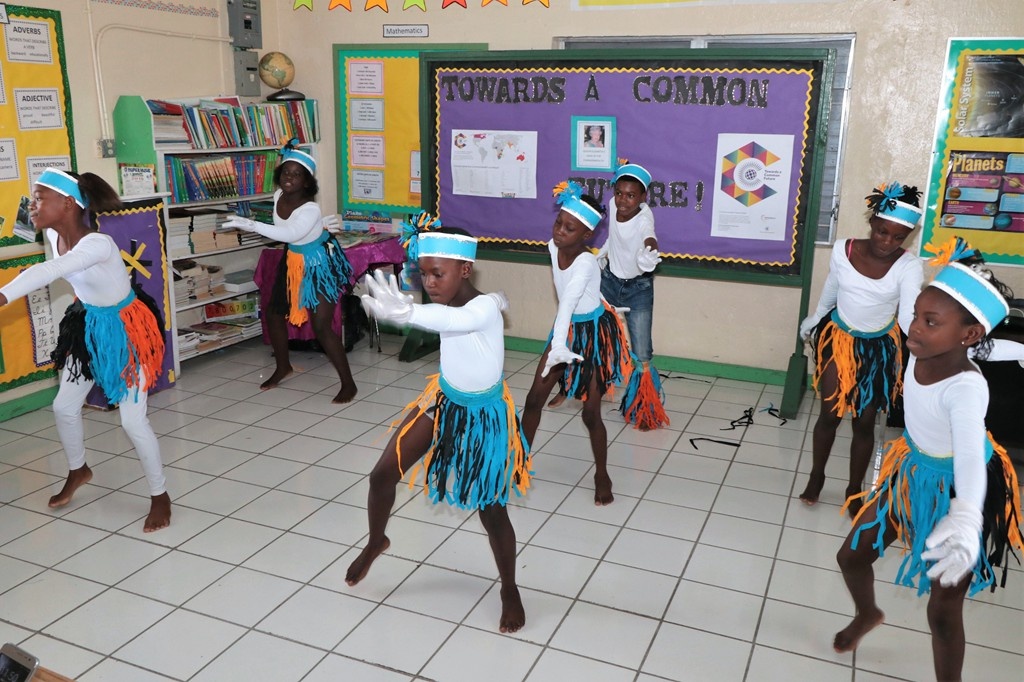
x,y
361,566
853,506
814,485
76,479
346,394
555,402
603,489
159,513
848,638
277,377
513,615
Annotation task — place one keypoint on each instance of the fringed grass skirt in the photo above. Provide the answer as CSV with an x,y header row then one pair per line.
x,y
478,454
643,400
913,494
600,337
306,272
120,347
869,365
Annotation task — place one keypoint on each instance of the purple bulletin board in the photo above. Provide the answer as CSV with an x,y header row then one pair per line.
x,y
729,137
138,231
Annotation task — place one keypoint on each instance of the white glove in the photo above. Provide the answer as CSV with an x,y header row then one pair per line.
x,y
621,312
500,299
557,356
807,327
386,301
647,259
331,223
602,256
240,223
954,544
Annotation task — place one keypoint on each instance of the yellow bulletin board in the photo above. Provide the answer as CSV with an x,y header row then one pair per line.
x,y
377,122
976,187
35,113
35,133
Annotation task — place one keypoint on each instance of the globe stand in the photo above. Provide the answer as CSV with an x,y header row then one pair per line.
x,y
286,95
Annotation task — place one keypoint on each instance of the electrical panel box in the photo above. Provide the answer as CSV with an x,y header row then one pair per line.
x,y
247,73
244,25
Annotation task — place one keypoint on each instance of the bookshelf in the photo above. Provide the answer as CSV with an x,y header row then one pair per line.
x,y
211,156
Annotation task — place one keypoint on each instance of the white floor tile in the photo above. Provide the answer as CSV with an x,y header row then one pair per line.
x,y
605,634
112,559
729,568
680,651
259,657
278,509
39,601
772,665
175,577
204,638
410,640
112,670
471,655
296,557
629,589
109,621
558,665
715,609
231,541
439,593
334,668
54,542
69,659
243,596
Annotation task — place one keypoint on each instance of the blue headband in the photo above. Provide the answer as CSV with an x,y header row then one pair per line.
x,y
567,196
445,245
633,170
289,153
902,213
62,183
972,291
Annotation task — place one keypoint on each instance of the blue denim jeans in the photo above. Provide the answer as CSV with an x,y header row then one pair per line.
x,y
637,294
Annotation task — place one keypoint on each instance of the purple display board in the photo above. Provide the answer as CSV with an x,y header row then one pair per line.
x,y
728,141
138,231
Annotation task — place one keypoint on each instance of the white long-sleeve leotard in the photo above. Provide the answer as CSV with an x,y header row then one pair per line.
x,y
626,239
947,419
93,268
472,341
578,288
303,226
867,304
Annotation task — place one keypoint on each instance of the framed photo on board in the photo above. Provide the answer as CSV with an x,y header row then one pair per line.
x,y
593,143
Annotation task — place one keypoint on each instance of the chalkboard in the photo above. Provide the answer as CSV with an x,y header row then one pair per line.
x,y
734,140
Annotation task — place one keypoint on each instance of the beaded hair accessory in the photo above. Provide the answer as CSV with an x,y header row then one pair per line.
x,y
964,277
290,152
896,202
568,195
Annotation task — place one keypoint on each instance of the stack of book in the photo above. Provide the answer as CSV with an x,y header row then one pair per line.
x,y
178,227
242,280
196,279
188,343
217,331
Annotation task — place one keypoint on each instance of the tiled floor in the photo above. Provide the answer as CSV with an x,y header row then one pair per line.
x,y
704,568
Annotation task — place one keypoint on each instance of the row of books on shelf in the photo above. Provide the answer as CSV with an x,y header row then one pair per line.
x,y
206,336
195,282
229,122
198,230
201,178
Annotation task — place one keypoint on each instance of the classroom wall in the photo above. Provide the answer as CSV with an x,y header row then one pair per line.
x,y
898,62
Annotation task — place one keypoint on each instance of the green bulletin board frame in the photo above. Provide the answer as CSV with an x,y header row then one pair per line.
x,y
398,98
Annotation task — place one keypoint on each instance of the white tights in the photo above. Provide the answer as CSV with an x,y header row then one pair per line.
x,y
67,408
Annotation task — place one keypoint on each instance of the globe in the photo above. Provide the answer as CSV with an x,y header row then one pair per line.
x,y
276,70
